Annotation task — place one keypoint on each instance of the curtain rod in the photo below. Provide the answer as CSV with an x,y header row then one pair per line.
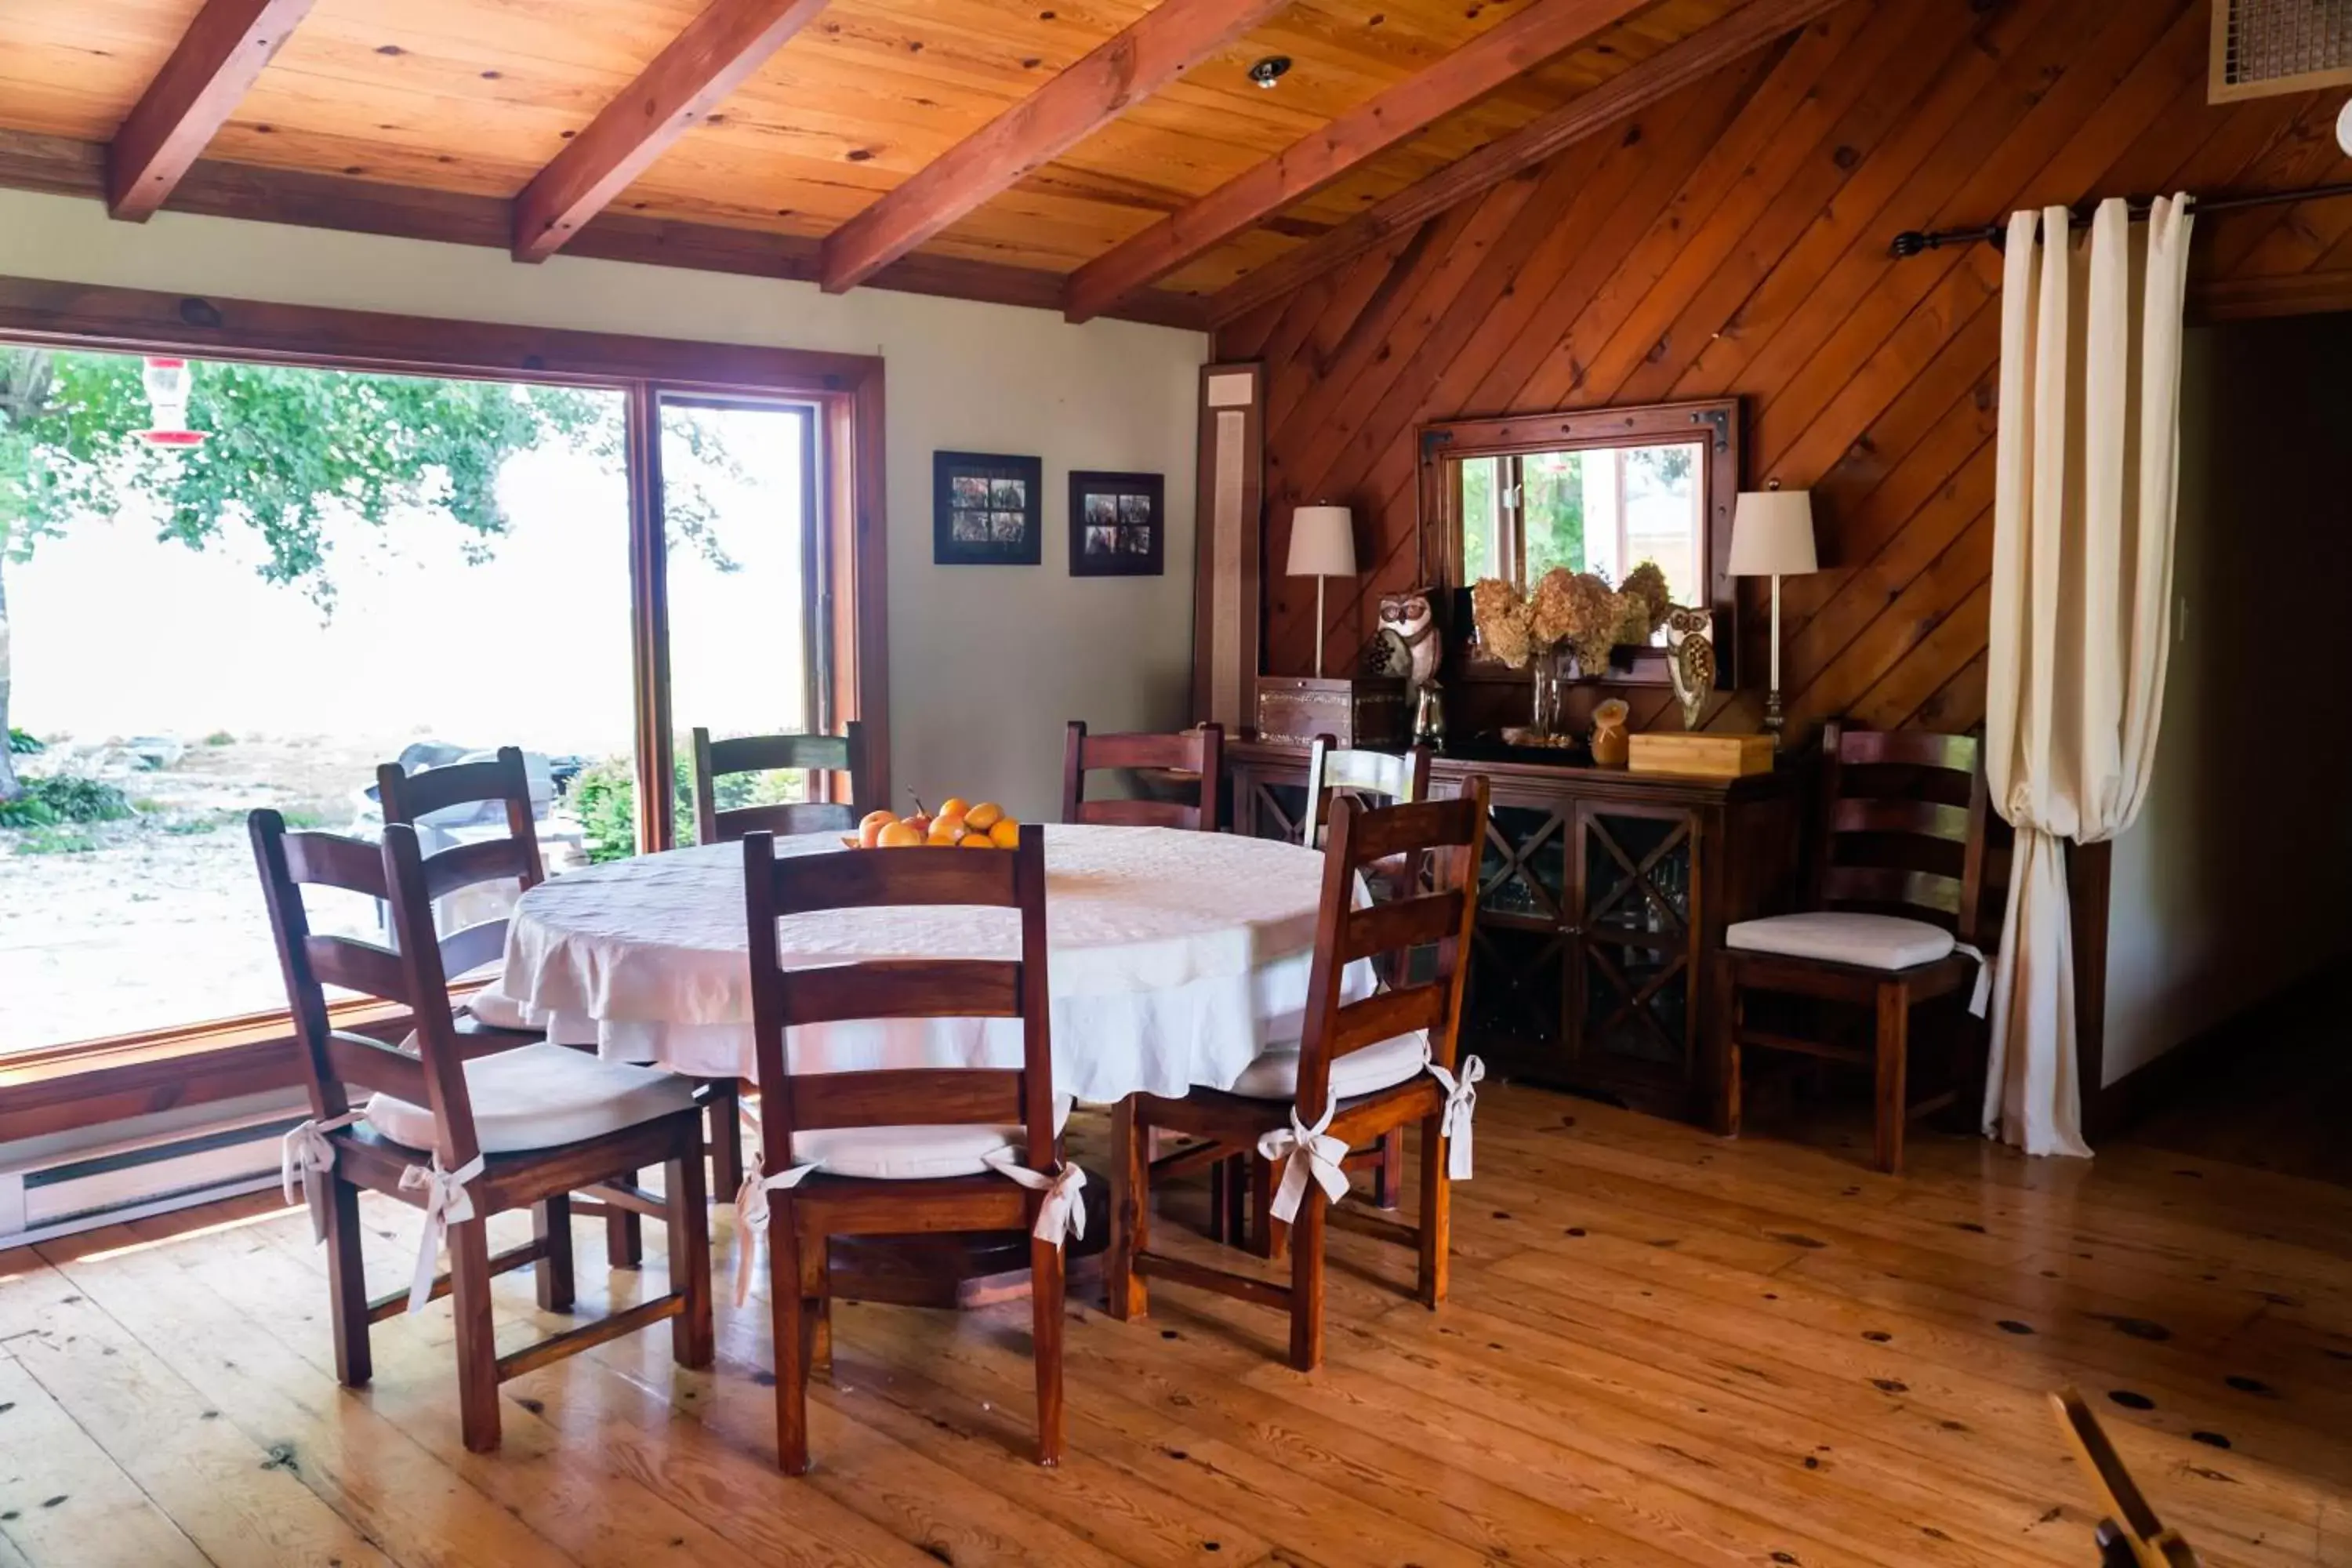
x,y
1911,242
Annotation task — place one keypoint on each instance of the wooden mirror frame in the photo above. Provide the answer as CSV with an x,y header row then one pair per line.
x,y
1441,444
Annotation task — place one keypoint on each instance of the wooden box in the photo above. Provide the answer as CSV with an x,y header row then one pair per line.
x,y
1700,756
1360,713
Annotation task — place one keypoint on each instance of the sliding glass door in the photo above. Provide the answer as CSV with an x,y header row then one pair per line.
x,y
738,502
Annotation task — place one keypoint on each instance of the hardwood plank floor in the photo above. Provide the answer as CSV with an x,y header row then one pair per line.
x,y
1662,1348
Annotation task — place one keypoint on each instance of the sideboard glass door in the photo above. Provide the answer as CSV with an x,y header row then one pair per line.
x,y
1635,975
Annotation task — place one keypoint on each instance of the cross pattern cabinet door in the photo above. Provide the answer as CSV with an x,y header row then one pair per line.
x,y
1637,970
1270,805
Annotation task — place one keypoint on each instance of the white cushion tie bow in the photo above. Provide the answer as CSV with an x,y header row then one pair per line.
x,y
1460,1099
1062,1216
1307,1153
1980,998
751,1218
447,1202
305,1155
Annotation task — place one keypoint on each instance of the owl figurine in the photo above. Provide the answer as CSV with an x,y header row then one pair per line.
x,y
1407,643
1690,644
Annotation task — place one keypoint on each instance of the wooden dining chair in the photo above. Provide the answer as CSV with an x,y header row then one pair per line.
x,y
1198,752
412,798
909,1150
1899,889
463,1136
1389,778
1361,1067
715,760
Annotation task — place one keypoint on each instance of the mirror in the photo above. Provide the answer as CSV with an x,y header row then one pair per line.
x,y
1600,492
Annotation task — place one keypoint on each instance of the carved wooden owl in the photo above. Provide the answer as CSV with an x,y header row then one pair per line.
x,y
1407,622
1690,639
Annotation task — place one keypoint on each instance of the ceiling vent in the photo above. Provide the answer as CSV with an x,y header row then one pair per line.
x,y
2265,48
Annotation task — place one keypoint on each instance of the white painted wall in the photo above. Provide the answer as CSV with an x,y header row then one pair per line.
x,y
986,663
2231,885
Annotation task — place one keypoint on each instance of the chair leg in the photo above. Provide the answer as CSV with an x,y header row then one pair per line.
x,y
1388,1172
1436,1213
1045,1288
477,1349
1227,1201
1726,1017
347,1284
1125,1294
1306,1281
1269,1235
624,1234
791,1350
817,1293
692,1342
1894,1055
550,1223
723,1108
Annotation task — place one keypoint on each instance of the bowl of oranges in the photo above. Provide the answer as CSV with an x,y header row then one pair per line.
x,y
958,825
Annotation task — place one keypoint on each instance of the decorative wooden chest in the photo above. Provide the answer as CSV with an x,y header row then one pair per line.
x,y
1702,757
1364,712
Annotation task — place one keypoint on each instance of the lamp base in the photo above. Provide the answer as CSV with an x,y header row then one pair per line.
x,y
1773,722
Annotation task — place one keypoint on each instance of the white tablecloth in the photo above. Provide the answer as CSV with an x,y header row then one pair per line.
x,y
1175,959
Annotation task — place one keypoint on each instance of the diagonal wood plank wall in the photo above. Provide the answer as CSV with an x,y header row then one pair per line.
x,y
1734,240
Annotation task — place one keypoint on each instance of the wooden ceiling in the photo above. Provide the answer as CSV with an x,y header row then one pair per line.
x,y
434,115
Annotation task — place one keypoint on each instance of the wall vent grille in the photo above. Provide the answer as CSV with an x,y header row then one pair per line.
x,y
2266,49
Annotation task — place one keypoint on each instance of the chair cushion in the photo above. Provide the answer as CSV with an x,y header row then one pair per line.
x,y
539,1097
498,1010
914,1154
1867,942
1275,1074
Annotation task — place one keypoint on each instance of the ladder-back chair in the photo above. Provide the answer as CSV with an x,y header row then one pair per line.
x,y
1361,1067
1385,778
1899,891
462,1138
715,760
414,798
911,1150
1199,752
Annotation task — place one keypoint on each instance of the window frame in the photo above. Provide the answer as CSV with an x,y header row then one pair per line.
x,y
1717,423
86,1082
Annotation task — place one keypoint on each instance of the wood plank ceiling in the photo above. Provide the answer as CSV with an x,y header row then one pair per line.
x,y
1734,240
838,105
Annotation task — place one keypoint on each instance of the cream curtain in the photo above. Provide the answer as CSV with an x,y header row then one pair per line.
x,y
2081,577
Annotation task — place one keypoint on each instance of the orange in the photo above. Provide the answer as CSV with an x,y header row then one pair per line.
x,y
898,836
946,830
1007,833
954,805
977,841
983,817
870,826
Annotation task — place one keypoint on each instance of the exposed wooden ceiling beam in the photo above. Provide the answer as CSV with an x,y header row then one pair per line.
x,y
198,88
1701,55
1544,29
720,48
1161,45
59,166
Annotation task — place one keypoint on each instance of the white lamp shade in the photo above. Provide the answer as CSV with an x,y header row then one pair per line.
x,y
2343,128
1772,534
1322,542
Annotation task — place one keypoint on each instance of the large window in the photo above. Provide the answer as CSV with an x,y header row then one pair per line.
x,y
352,568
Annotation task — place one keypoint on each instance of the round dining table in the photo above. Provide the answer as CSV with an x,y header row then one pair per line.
x,y
1174,958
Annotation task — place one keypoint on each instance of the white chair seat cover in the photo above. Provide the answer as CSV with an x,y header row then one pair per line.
x,y
915,1154
537,1097
1837,936
1274,1075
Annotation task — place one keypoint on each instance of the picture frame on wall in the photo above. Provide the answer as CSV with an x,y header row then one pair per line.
x,y
985,509
1119,524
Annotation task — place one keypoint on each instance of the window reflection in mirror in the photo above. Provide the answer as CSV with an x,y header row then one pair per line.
x,y
1603,510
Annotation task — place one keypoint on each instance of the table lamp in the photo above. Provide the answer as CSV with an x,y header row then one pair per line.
x,y
1322,545
1772,536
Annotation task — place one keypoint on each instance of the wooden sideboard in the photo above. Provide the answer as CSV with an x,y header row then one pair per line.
x,y
1602,892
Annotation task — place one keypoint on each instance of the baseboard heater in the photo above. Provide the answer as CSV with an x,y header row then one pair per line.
x,y
81,1189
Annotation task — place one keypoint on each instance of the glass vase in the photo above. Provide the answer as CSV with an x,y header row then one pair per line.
x,y
1544,712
